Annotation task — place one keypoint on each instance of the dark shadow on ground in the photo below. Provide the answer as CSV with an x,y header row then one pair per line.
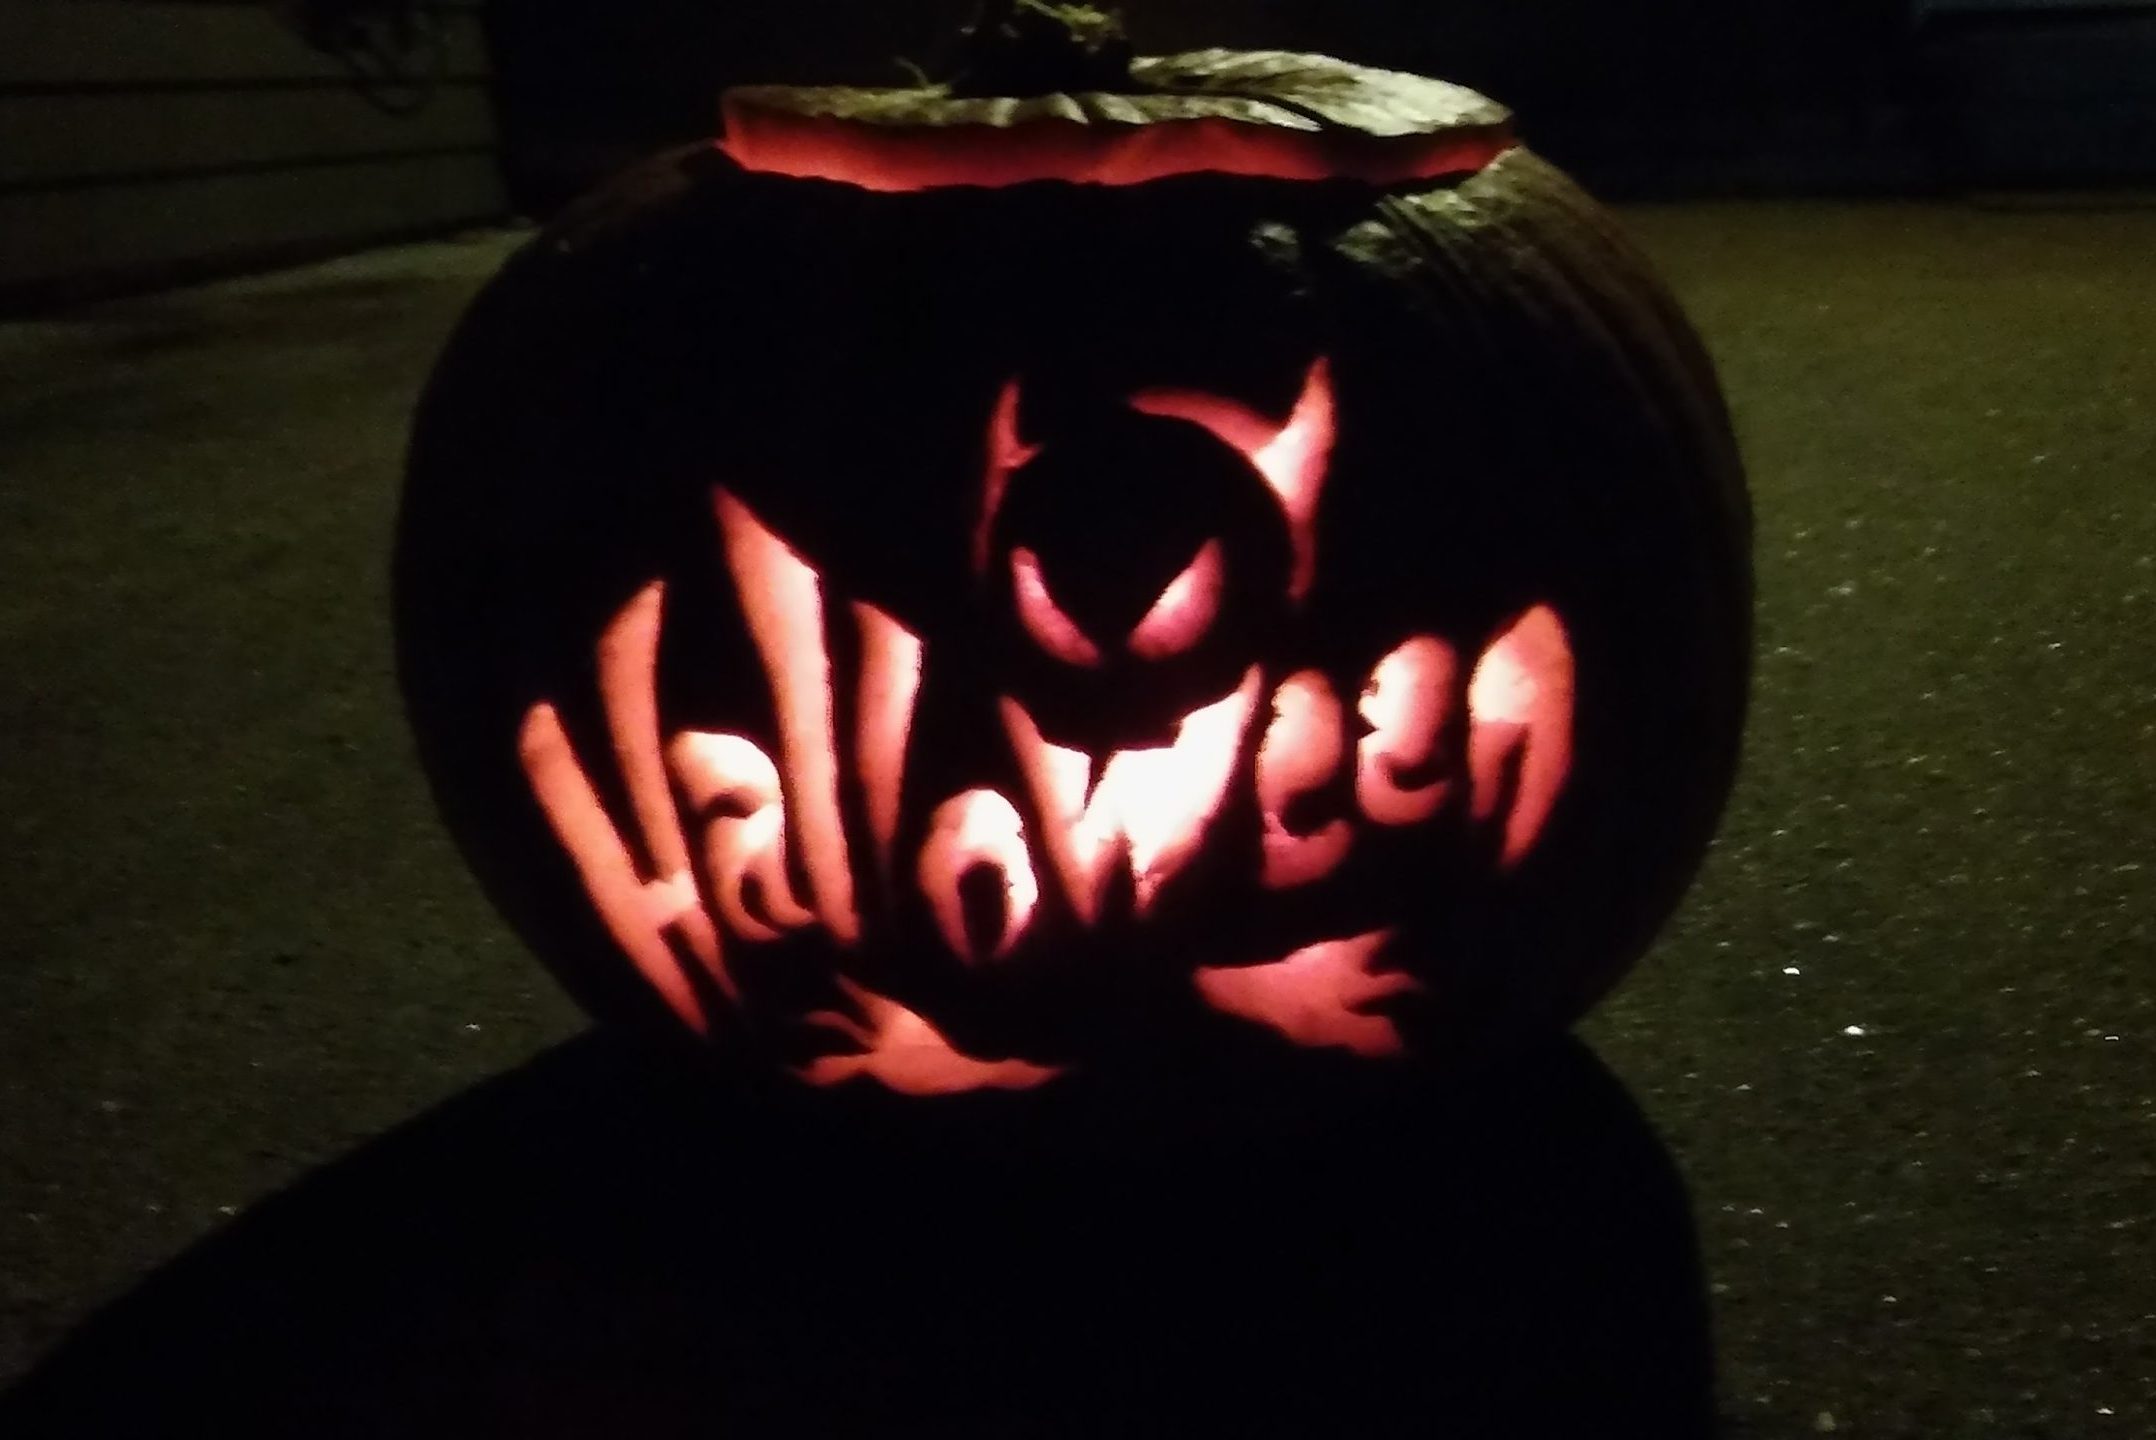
x,y
588,1247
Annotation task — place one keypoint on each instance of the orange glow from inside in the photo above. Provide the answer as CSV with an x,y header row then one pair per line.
x,y
735,788
1185,609
1520,703
637,912
907,1054
757,824
1317,996
1151,806
897,159
1006,453
1404,704
967,833
1045,621
782,599
890,684
1290,455
1301,751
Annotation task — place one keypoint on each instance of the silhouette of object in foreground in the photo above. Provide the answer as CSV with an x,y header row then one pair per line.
x,y
589,1247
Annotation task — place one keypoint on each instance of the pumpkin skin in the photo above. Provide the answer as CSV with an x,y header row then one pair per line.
x,y
913,595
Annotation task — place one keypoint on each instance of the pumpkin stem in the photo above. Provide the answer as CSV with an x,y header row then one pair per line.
x,y
1037,47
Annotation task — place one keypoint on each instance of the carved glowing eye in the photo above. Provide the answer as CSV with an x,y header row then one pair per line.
x,y
1184,611
1044,620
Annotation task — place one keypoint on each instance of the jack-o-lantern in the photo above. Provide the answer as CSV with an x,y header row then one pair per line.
x,y
1105,562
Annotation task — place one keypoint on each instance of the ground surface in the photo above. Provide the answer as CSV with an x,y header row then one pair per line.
x,y
1902,1040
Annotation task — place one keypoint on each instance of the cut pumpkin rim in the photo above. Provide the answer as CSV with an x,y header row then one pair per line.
x,y
1274,115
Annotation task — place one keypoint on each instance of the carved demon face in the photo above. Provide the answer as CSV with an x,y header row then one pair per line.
x,y
1236,591
944,845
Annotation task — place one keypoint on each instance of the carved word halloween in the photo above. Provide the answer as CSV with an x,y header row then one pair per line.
x,y
1147,810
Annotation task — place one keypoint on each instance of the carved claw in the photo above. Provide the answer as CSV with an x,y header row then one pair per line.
x,y
905,1053
1318,996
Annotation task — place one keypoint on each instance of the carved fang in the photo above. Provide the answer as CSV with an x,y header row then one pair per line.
x,y
1151,808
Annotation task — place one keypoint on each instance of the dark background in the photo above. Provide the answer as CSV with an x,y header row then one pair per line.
x,y
266,1055
147,141
1667,96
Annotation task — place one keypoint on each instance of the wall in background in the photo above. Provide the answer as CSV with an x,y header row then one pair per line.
x,y
588,86
143,141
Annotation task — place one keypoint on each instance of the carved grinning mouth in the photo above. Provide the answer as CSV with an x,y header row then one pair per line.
x,y
771,853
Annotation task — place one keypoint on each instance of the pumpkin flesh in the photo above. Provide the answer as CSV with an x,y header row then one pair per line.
x,y
1280,578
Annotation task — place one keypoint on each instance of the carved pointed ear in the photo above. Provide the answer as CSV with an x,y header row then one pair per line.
x,y
1007,452
1291,455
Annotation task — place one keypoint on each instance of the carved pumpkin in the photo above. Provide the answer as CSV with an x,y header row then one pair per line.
x,y
953,590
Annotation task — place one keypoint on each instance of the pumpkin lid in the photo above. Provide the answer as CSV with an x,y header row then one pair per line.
x,y
1261,113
